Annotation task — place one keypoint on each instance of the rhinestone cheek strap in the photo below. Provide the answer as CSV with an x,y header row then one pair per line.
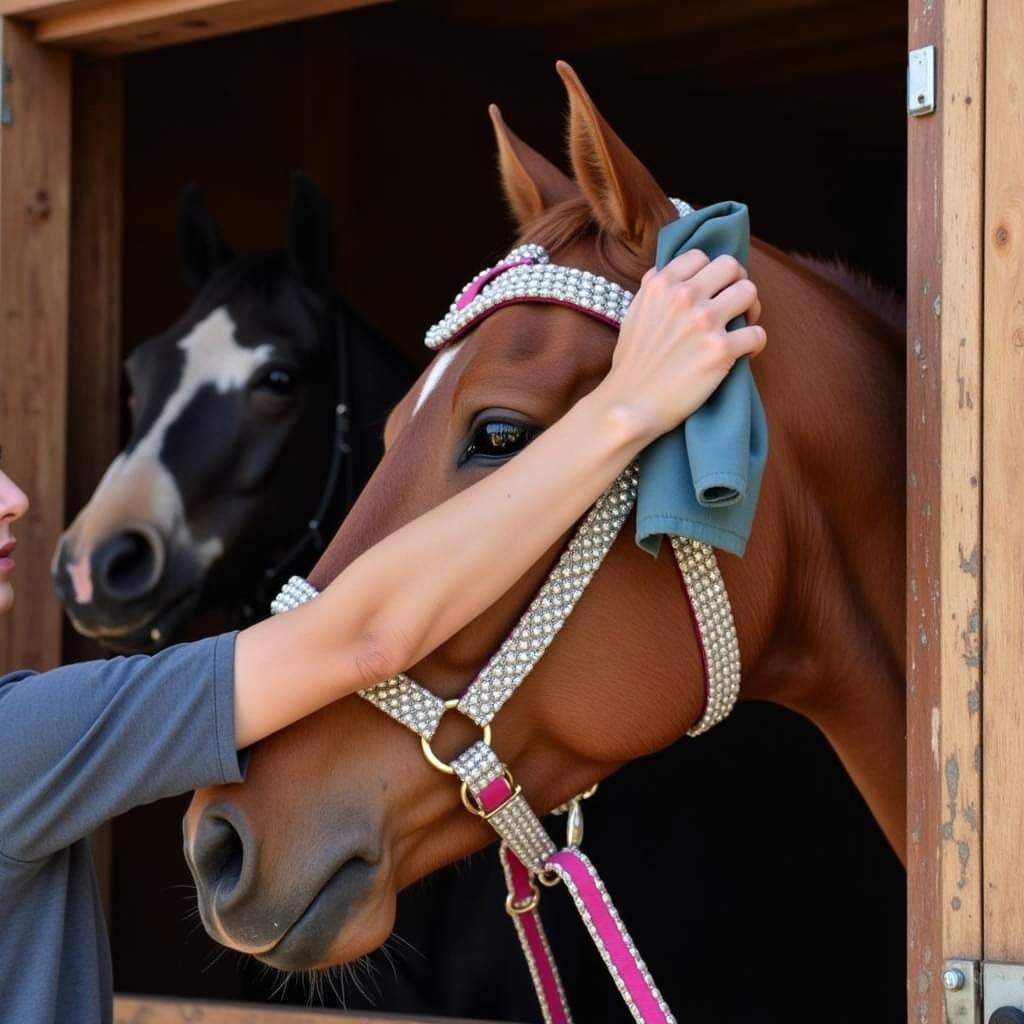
x,y
526,850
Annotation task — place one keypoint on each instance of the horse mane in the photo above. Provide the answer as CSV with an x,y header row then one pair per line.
x,y
884,302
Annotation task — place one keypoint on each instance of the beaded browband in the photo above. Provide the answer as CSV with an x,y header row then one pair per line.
x,y
527,274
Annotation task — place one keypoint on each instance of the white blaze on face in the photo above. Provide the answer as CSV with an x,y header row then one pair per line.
x,y
437,371
137,486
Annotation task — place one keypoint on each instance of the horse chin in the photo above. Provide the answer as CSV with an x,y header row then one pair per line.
x,y
156,630
325,936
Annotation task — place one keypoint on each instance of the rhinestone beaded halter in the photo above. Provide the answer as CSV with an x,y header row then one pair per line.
x,y
406,701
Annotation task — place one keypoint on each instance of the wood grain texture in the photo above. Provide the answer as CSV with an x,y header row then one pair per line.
x,y
925,469
959,309
149,1010
94,326
1004,483
124,26
35,159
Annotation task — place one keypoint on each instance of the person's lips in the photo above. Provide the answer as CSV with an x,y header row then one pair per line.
x,y
7,562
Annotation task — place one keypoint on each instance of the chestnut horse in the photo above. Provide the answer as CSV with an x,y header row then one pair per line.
x,y
300,865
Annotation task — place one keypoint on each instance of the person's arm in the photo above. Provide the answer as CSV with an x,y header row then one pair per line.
x,y
85,742
408,594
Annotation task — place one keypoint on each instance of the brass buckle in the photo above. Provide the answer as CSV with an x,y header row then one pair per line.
x,y
472,805
428,750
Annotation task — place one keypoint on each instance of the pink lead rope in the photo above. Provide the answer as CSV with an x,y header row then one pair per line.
x,y
592,901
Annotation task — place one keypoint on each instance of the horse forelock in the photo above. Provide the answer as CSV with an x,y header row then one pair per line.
x,y
571,223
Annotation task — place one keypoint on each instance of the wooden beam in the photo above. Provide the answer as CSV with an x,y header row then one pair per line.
x,y
944,386
1004,482
35,161
110,27
959,309
925,468
94,326
94,356
153,1010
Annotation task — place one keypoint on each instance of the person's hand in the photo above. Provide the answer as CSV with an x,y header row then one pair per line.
x,y
673,349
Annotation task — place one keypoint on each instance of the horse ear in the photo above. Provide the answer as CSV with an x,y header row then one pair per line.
x,y
201,249
532,184
625,198
311,235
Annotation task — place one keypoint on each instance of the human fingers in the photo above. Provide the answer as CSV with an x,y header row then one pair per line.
x,y
684,266
745,341
721,272
733,301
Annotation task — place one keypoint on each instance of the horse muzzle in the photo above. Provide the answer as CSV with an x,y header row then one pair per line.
x,y
337,887
132,591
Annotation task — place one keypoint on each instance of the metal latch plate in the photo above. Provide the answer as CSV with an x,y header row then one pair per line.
x,y
921,81
1003,985
960,980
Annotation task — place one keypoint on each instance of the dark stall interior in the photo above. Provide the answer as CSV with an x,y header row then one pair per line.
x,y
795,107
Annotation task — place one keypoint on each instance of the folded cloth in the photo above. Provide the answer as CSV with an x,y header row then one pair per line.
x,y
702,480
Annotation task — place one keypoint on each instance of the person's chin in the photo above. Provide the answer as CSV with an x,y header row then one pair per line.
x,y
6,596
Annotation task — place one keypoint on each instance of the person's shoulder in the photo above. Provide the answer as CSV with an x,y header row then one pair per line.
x,y
15,677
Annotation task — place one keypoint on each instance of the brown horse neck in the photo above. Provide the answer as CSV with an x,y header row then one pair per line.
x,y
832,514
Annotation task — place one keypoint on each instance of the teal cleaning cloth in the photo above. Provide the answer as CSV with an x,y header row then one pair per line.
x,y
703,479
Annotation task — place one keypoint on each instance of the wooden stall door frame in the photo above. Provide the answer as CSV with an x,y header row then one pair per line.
x,y
35,183
946,213
965,492
944,484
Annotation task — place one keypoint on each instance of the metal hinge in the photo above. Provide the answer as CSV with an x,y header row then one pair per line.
x,y
983,992
6,111
921,81
961,982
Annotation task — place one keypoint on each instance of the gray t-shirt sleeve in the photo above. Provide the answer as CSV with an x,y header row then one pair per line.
x,y
84,743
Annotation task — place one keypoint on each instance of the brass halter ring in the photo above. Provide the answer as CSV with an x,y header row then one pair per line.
x,y
428,750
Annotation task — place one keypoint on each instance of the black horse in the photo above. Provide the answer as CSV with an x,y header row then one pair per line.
x,y
256,420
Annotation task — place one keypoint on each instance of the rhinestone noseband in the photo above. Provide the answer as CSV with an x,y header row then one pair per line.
x,y
527,852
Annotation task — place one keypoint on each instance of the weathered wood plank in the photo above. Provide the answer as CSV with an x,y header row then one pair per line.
x,y
925,469
35,159
123,26
1003,544
958,759
151,1010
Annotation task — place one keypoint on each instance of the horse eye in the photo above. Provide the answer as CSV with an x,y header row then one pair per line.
x,y
494,440
278,382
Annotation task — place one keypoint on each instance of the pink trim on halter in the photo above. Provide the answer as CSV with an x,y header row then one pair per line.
x,y
473,289
494,794
611,935
522,890
525,298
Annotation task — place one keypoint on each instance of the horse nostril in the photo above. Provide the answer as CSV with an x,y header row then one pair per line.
x,y
129,564
218,856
